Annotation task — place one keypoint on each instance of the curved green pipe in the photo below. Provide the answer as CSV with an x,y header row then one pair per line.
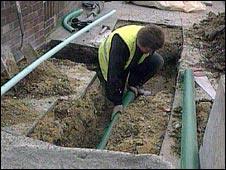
x,y
189,144
68,18
127,98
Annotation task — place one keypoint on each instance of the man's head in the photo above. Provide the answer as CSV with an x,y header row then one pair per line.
x,y
150,38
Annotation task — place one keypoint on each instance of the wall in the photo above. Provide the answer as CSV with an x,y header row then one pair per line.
x,y
39,19
212,152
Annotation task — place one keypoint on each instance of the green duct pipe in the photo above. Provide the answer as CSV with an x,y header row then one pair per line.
x,y
68,18
127,98
50,53
189,144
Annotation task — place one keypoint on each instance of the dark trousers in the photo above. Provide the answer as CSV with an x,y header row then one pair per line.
x,y
145,70
140,74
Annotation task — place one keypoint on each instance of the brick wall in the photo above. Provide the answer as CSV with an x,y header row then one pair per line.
x,y
39,19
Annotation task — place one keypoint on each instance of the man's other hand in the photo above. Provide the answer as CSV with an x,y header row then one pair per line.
x,y
118,108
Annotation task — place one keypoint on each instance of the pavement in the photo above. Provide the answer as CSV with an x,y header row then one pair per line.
x,y
21,152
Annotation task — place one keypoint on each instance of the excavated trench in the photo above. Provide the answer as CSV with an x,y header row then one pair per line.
x,y
80,123
140,129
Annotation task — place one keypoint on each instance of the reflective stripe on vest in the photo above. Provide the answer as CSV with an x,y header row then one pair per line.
x,y
129,35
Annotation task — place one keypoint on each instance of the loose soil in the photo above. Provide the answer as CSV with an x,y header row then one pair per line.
x,y
203,109
45,81
14,111
76,123
141,128
209,37
80,123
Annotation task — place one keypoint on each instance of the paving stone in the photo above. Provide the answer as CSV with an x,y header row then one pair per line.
x,y
21,152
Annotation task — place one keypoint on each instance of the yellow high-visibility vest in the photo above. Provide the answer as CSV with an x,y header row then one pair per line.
x,y
129,35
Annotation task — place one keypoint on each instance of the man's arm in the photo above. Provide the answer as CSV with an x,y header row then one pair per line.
x,y
119,54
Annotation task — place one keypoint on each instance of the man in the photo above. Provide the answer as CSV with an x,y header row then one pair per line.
x,y
129,53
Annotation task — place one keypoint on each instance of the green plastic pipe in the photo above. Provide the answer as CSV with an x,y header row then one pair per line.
x,y
66,20
127,98
189,143
50,53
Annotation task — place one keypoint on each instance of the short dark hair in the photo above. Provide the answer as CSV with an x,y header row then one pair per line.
x,y
151,36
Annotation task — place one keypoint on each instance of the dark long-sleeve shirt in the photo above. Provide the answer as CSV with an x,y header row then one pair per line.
x,y
116,78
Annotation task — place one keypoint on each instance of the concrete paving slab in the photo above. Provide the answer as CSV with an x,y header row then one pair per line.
x,y
212,151
166,150
131,12
22,152
87,38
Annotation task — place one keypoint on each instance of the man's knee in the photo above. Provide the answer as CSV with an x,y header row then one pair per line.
x,y
159,60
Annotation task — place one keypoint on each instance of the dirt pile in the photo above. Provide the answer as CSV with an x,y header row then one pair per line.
x,y
45,80
209,37
141,128
75,123
202,114
68,124
203,110
14,111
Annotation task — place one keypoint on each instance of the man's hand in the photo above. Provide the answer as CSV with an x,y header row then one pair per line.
x,y
117,109
140,91
134,90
